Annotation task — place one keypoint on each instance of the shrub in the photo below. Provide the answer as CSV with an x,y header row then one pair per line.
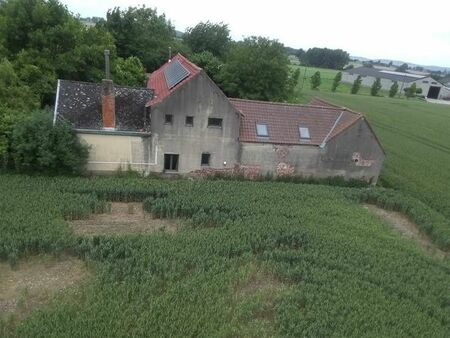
x,y
394,89
315,80
375,89
411,91
356,85
336,81
39,146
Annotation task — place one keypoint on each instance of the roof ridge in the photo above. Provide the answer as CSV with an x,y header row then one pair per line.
x,y
287,104
179,55
99,84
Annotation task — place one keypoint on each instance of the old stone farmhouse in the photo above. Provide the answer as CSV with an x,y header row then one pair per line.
x,y
431,88
183,123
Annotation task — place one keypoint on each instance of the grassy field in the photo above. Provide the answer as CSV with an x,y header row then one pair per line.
x,y
304,92
414,133
253,259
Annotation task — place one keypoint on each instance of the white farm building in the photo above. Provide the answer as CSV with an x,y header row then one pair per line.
x,y
430,87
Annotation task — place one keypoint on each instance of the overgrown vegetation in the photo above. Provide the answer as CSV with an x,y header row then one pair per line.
x,y
315,267
38,146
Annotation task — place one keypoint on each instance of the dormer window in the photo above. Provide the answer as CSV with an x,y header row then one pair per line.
x,y
304,133
261,130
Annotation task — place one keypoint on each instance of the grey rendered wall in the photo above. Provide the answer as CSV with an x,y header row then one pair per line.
x,y
202,99
356,151
353,154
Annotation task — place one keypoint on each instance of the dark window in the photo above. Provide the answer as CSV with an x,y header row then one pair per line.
x,y
205,158
171,162
190,121
433,82
214,122
261,130
168,119
425,81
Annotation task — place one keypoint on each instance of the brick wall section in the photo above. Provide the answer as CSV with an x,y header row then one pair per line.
x,y
108,111
250,172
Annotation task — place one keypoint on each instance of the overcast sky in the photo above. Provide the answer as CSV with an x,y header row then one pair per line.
x,y
418,32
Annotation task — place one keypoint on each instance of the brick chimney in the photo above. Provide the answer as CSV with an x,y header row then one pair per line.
x,y
108,98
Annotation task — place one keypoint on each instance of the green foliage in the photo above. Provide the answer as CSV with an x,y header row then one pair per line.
x,y
411,91
38,146
45,42
256,68
394,89
140,32
210,64
274,259
356,85
403,68
208,37
336,81
376,86
129,71
315,80
326,58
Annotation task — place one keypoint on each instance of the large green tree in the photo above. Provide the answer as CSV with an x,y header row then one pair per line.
x,y
257,68
209,37
140,32
45,42
326,58
15,100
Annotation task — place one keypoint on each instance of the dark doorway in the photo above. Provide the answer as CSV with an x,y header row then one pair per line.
x,y
171,162
433,92
205,159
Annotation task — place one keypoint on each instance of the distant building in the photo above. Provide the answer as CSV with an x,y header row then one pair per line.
x,y
430,88
183,123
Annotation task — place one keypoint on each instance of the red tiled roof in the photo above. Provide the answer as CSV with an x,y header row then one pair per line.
x,y
157,80
283,120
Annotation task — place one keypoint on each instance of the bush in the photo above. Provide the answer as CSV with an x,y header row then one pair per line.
x,y
411,91
315,80
336,81
356,85
39,146
374,90
394,89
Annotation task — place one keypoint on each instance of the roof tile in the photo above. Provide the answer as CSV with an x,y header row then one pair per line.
x,y
283,120
157,80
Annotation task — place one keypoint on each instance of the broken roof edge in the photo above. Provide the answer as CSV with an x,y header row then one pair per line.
x,y
361,116
99,84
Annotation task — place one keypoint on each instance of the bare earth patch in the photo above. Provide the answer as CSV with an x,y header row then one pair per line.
x,y
407,228
35,280
123,218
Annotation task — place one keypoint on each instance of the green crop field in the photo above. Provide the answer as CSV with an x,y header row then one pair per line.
x,y
414,133
252,259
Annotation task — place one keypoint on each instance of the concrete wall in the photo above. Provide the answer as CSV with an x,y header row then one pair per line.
x,y
202,99
352,154
109,152
386,84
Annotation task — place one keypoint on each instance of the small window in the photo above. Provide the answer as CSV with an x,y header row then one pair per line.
x,y
433,82
171,162
205,159
168,119
424,81
304,133
261,130
190,121
214,122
